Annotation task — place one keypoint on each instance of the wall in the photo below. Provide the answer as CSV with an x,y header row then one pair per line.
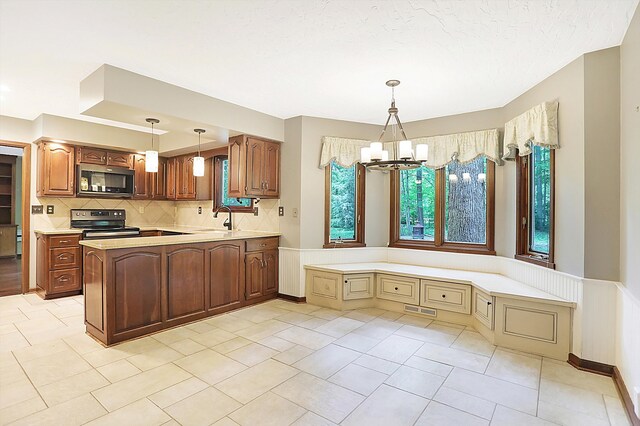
x,y
186,214
291,178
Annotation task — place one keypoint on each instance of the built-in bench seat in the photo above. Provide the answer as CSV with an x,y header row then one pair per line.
x,y
507,312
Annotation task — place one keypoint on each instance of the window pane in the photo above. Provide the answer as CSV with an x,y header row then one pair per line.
x,y
343,203
466,202
540,202
226,201
417,204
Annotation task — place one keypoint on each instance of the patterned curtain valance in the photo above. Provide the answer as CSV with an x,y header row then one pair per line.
x,y
464,147
538,126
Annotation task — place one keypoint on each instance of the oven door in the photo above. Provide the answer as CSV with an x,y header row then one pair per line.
x,y
104,181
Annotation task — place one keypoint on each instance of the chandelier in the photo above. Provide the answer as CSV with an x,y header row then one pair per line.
x,y
402,157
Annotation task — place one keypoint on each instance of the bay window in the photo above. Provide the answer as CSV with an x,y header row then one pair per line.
x,y
344,206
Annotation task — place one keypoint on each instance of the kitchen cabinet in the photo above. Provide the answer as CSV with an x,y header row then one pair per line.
x,y
398,289
141,187
226,276
56,170
261,268
447,296
358,286
149,186
185,181
483,308
171,177
254,167
182,185
120,159
58,265
102,157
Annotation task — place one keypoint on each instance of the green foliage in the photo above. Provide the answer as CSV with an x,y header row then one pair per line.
x,y
226,201
417,202
540,201
343,202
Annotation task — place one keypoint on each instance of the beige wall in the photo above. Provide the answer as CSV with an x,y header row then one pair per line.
x,y
186,214
290,192
629,157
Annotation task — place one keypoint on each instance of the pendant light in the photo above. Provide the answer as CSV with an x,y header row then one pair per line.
x,y
198,162
151,157
402,158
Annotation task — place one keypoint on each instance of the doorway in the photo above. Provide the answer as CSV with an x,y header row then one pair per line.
x,y
15,170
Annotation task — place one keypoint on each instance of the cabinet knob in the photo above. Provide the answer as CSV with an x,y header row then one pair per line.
x,y
488,303
444,296
345,281
396,288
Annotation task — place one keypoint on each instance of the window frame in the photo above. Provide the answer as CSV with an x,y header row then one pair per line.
x,y
523,205
439,243
359,241
217,194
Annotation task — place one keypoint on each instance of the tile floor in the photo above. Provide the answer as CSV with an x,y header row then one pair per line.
x,y
281,363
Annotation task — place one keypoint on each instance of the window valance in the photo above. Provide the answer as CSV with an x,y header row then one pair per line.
x,y
538,126
443,149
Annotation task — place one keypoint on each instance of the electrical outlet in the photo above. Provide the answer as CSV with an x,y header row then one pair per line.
x,y
294,212
280,211
37,209
255,211
199,209
140,209
50,209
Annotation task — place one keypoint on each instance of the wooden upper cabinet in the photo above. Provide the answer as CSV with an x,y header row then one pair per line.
x,y
185,181
91,156
120,159
254,168
159,181
171,178
141,185
56,170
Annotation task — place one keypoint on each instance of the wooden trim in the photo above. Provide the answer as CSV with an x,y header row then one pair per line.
x,y
221,155
360,210
609,371
26,210
292,298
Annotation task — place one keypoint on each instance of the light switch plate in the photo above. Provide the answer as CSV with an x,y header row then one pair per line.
x,y
50,209
199,209
280,211
37,209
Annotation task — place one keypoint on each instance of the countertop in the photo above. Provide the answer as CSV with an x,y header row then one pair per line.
x,y
493,284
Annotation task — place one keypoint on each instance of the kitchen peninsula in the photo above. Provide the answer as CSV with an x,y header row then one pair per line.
x,y
138,286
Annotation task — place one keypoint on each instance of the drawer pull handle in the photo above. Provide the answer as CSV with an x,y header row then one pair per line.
x,y
263,245
63,257
444,296
488,303
396,288
64,241
63,279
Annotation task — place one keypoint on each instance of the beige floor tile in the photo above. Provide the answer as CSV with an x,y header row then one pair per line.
x,y
118,370
465,402
256,380
294,318
391,316
105,356
293,355
178,392
414,320
229,323
303,308
187,346
505,416
174,335
46,349
155,358
259,313
364,314
263,330
415,381
387,406
213,337
139,413
231,345
210,366
309,338
190,412
616,411
474,342
126,391
516,368
327,314
509,394
7,328
426,334
429,366
395,348
358,379
357,342
57,333
10,370
568,417
276,343
225,421
339,327
72,387
70,413
378,328
312,419
12,341
377,364
447,327
17,392
564,373
252,354
326,399
454,357
201,327
268,410
45,370
82,343
578,399
21,409
437,414
327,361
313,323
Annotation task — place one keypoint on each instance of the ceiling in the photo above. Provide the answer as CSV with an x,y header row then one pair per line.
x,y
324,58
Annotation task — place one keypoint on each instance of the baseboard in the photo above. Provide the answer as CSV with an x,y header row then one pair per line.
x,y
610,371
292,298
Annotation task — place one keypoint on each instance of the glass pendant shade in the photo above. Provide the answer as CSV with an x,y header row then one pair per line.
x,y
365,154
385,155
198,166
151,162
376,151
422,152
404,149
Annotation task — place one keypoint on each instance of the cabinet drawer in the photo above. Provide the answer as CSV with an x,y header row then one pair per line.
x,y
61,258
91,156
324,284
358,286
259,244
64,241
120,159
447,296
398,289
483,308
64,280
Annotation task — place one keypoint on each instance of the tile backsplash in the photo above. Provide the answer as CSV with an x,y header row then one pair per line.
x,y
267,219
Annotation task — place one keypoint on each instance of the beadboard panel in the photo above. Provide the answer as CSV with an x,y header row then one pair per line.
x,y
628,341
598,314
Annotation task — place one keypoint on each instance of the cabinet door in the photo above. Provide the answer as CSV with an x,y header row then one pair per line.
x,y
171,179
91,156
120,159
57,170
255,167
237,167
159,181
188,178
185,281
272,169
141,178
254,275
226,275
270,271
204,184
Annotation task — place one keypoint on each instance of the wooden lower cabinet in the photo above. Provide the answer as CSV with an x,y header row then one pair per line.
x,y
133,292
58,265
261,266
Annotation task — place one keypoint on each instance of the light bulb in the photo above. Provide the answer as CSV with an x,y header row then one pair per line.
x,y
376,151
404,149
151,162
365,154
198,166
422,152
385,155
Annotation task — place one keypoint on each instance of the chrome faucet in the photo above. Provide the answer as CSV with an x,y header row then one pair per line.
x,y
227,223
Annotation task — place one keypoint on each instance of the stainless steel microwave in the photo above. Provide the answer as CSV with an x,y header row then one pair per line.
x,y
103,181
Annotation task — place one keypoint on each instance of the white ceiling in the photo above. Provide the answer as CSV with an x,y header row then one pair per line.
x,y
325,58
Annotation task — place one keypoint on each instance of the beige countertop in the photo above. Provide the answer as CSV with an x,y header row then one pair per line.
x,y
57,231
493,284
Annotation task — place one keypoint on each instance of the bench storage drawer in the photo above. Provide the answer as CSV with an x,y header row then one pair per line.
x,y
446,296
358,286
398,289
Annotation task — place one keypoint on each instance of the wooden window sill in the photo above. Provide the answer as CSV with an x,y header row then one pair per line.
x,y
344,245
535,260
468,248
